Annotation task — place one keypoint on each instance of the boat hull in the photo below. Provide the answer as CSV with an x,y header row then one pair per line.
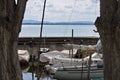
x,y
78,74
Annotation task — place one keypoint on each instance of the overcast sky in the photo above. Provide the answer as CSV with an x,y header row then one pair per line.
x,y
63,10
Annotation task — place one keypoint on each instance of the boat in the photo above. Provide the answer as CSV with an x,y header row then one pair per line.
x,y
76,69
57,57
91,67
70,68
63,58
24,57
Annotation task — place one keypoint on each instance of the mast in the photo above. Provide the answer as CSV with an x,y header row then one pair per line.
x,y
39,68
41,29
72,46
72,43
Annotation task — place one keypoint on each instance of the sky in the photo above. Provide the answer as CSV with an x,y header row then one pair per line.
x,y
63,10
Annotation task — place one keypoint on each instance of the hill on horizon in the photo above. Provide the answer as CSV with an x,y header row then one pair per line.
x,y
35,22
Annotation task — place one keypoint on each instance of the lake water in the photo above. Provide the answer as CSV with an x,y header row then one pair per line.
x,y
58,31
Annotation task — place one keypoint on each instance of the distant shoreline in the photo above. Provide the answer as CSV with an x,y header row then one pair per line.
x,y
33,22
58,24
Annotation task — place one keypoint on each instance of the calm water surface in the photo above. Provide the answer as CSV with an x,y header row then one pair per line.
x,y
58,30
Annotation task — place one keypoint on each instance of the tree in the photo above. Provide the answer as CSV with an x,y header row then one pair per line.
x,y
108,26
11,16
